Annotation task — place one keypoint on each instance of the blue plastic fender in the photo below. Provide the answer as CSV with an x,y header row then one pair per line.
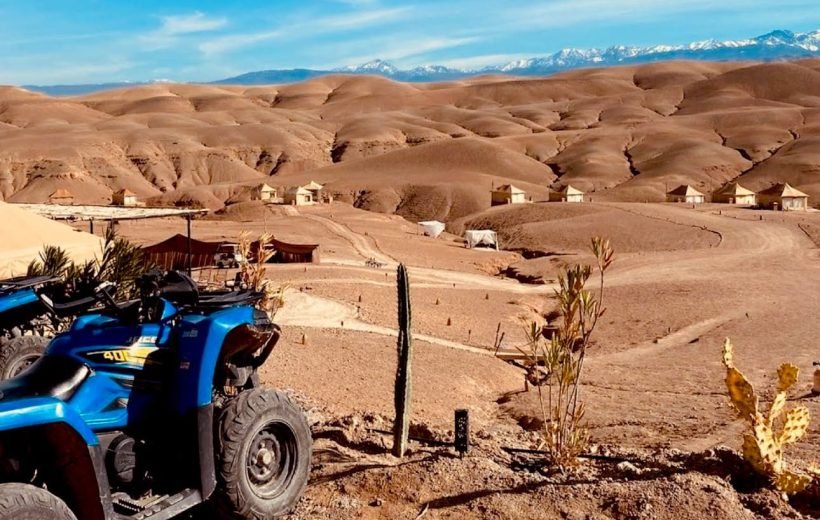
x,y
200,344
17,299
38,411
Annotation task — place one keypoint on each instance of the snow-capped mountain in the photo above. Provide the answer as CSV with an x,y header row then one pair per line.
x,y
776,45
371,67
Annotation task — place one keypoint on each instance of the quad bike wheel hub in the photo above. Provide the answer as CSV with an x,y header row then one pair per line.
x,y
271,459
263,458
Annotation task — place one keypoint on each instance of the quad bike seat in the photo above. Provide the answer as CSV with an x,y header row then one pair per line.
x,y
221,300
49,376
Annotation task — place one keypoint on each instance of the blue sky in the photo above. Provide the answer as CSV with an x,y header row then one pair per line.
x,y
88,41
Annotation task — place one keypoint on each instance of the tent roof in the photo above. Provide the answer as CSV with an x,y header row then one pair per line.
x,y
296,249
298,189
685,190
313,185
179,244
264,186
783,190
734,188
25,233
509,188
571,190
61,193
125,192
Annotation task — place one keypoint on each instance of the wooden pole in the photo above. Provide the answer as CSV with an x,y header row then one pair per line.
x,y
188,218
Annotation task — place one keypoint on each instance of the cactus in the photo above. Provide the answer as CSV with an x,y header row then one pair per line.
x,y
763,445
403,373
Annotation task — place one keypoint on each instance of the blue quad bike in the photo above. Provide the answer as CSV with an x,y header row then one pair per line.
x,y
26,323
148,408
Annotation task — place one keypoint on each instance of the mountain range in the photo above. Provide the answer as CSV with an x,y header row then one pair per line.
x,y
773,46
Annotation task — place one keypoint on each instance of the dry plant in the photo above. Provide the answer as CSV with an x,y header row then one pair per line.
x,y
769,433
252,273
554,354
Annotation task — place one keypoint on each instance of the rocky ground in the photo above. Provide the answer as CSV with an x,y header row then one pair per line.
x,y
664,439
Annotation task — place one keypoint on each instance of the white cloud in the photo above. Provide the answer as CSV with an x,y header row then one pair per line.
x,y
190,23
173,27
232,42
400,49
328,24
563,13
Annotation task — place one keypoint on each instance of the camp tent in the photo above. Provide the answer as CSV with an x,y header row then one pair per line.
x,y
25,233
432,228
287,253
783,196
567,194
173,252
685,193
508,194
734,193
481,237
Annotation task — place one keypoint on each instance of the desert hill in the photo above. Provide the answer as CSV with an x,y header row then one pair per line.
x,y
425,150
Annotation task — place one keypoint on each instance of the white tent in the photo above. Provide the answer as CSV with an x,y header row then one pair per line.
x,y
24,234
432,228
481,237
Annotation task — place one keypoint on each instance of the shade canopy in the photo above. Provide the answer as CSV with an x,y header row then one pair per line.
x,y
481,237
432,228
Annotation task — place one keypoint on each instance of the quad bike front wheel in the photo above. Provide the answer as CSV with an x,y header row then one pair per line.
x,y
17,354
263,455
27,502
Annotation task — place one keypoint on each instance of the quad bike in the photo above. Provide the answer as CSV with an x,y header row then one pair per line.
x,y
26,323
150,407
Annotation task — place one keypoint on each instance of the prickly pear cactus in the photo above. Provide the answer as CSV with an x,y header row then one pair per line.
x,y
769,434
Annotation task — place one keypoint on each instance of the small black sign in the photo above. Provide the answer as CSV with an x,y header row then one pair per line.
x,y
462,431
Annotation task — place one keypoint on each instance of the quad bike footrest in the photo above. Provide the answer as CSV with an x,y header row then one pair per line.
x,y
158,507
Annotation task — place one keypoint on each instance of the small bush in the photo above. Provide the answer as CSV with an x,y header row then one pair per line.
x,y
554,355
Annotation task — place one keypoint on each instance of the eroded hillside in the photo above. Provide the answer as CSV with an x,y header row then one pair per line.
x,y
425,150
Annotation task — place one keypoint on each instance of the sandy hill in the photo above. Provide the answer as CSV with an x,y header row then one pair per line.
x,y
425,150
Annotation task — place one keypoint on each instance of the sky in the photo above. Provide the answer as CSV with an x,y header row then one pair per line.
x,y
47,42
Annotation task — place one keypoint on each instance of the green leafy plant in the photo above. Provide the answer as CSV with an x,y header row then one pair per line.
x,y
772,431
121,262
554,355
52,261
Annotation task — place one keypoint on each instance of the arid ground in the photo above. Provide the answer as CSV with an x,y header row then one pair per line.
x,y
424,150
662,430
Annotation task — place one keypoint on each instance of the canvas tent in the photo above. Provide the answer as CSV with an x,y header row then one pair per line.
x,y
299,196
173,252
25,233
481,237
783,196
685,193
124,197
567,194
287,253
734,193
432,228
508,194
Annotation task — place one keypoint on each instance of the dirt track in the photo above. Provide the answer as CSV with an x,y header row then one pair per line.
x,y
653,378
